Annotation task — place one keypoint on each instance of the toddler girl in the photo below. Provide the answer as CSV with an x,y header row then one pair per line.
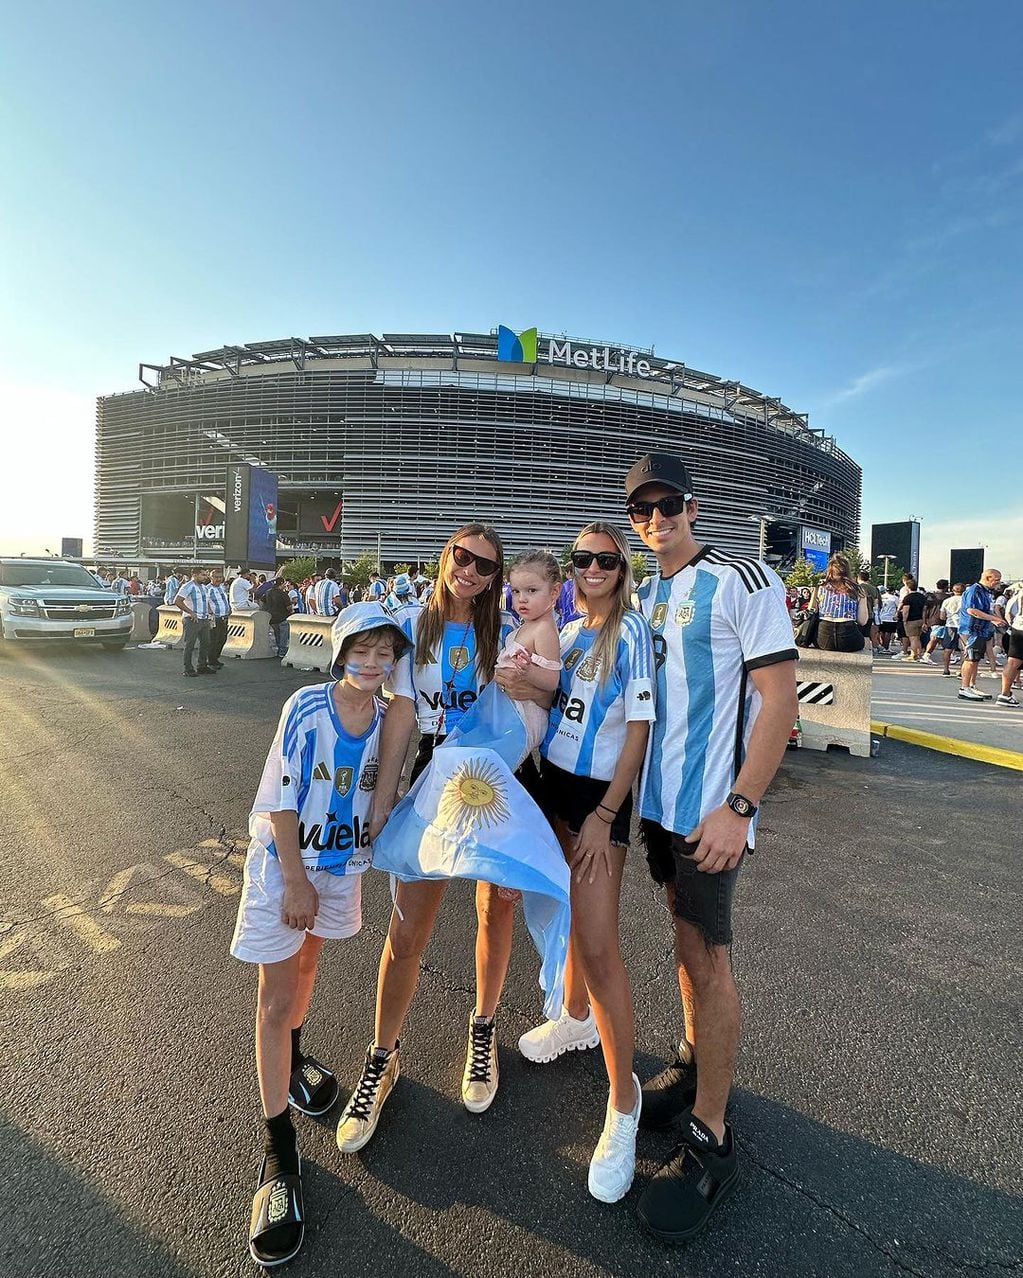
x,y
534,648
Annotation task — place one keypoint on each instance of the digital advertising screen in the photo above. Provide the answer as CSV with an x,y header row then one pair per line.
x,y
262,522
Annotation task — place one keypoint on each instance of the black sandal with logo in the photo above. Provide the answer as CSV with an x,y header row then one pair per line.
x,y
277,1225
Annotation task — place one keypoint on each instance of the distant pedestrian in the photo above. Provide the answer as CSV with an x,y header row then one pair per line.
x,y
278,605
220,610
172,586
328,595
194,602
977,625
241,592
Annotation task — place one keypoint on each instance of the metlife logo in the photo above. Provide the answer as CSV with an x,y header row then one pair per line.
x,y
523,348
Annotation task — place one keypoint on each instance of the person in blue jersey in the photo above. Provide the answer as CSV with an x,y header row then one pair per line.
x,y
591,754
193,600
977,624
456,638
402,592
726,703
310,843
328,595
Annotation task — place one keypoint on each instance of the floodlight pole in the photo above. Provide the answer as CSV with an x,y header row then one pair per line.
x,y
887,560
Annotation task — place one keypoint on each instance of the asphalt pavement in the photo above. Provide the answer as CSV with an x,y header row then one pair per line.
x,y
877,1106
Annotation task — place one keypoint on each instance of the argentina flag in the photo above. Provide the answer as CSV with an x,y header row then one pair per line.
x,y
467,817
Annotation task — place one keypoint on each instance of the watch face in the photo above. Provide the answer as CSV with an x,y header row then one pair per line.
x,y
742,806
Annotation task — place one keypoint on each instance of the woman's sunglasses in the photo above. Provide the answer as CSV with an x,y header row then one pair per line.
x,y
641,512
606,559
463,558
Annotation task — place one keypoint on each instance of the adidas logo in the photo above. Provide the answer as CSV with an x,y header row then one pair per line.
x,y
321,772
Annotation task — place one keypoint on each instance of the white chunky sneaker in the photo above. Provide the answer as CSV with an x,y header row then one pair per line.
x,y
613,1164
553,1038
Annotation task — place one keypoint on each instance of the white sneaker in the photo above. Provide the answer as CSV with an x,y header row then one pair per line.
x,y
925,660
971,694
613,1164
552,1039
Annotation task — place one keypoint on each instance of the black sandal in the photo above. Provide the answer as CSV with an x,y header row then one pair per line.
x,y
277,1209
313,1088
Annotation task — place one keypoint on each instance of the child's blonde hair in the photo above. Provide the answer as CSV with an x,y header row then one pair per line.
x,y
542,562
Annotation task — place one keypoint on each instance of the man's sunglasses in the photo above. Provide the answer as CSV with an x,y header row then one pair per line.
x,y
463,558
606,559
641,512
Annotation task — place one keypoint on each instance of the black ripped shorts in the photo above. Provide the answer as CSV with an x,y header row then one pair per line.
x,y
705,900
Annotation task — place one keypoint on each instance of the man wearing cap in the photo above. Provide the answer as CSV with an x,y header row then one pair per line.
x,y
726,702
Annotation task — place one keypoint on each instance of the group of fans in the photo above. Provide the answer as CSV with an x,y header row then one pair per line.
x,y
678,696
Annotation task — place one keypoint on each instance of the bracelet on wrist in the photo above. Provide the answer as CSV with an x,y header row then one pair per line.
x,y
604,808
596,813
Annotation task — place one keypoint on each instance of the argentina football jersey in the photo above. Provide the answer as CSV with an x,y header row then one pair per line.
x,y
586,732
324,774
713,622
444,689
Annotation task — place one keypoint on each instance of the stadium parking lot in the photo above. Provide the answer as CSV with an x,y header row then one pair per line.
x,y
877,954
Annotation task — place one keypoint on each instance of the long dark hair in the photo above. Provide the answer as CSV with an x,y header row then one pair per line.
x,y
486,607
838,577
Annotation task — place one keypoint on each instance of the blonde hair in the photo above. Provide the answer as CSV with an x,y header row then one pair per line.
x,y
605,648
486,607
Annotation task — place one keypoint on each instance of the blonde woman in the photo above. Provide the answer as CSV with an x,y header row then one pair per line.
x,y
591,755
457,638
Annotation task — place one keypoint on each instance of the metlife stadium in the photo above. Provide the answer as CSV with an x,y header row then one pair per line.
x,y
385,444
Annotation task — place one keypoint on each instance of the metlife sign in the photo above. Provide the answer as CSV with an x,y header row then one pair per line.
x,y
516,348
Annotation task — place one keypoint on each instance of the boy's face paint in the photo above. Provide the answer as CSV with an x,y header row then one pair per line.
x,y
367,665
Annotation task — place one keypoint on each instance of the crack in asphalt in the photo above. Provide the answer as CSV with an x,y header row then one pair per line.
x,y
837,1213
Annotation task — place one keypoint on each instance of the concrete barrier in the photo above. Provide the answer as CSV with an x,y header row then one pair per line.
x,y
834,699
140,626
172,628
308,642
249,637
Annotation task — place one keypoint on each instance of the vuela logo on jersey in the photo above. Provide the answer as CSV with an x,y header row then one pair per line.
x,y
454,701
573,708
335,837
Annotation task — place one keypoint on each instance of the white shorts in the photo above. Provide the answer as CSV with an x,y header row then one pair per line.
x,y
260,935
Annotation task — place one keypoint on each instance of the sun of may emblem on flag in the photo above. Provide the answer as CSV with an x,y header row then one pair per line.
x,y
475,795
459,658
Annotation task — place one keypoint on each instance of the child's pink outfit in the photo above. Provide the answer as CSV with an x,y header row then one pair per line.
x,y
534,717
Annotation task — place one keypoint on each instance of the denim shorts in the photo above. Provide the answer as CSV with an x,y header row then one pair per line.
x,y
705,900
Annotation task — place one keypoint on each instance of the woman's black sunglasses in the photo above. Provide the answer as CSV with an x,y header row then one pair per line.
x,y
463,558
641,512
606,559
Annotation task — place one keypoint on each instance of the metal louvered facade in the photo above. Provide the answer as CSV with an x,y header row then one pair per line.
x,y
416,433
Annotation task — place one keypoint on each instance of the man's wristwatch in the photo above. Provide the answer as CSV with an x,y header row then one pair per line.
x,y
740,805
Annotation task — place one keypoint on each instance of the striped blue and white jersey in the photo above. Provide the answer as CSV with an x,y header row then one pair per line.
x,y
324,774
217,598
586,732
171,589
713,622
442,689
195,596
327,592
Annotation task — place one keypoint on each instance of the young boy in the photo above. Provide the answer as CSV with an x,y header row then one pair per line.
x,y
309,846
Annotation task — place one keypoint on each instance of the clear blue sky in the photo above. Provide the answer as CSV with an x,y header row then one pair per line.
x,y
823,201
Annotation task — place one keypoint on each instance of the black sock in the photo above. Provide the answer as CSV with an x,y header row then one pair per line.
x,y
280,1146
296,1052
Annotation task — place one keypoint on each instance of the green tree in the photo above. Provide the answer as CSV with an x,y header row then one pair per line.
x,y
402,568
803,574
357,572
430,569
299,568
640,565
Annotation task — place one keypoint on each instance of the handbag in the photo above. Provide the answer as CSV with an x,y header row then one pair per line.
x,y
806,635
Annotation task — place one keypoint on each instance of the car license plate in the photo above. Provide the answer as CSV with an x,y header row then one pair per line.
x,y
85,632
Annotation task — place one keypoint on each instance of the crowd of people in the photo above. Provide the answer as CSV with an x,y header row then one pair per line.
x,y
961,628
677,697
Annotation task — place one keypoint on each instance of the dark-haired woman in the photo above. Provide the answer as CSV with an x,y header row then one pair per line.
x,y
591,755
842,609
457,638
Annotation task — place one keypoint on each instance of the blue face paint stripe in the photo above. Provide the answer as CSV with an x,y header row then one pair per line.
x,y
699,656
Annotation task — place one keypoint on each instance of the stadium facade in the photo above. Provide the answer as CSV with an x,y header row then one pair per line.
x,y
387,443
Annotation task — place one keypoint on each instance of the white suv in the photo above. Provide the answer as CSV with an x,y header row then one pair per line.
x,y
48,599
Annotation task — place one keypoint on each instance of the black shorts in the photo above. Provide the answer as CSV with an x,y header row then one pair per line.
x,y
528,776
974,649
566,797
705,900
886,627
1015,649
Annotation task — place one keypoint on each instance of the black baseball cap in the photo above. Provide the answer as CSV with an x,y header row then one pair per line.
x,y
659,468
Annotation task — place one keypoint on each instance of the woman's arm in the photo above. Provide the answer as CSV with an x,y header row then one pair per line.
x,y
594,842
394,738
